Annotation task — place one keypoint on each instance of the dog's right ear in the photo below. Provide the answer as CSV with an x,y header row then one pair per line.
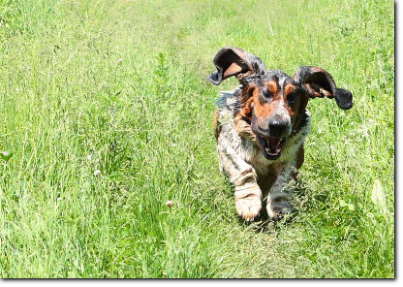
x,y
231,61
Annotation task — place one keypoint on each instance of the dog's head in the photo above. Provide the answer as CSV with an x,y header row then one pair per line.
x,y
273,102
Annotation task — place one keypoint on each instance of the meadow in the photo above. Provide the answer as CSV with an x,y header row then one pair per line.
x,y
106,114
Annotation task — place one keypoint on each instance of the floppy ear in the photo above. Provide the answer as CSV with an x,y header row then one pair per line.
x,y
231,61
320,83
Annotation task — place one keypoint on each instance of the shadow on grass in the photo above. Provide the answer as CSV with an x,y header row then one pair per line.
x,y
301,198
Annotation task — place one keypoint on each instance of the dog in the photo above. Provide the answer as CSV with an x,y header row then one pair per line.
x,y
261,126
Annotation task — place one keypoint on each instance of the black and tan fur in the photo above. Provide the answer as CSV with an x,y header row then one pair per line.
x,y
261,127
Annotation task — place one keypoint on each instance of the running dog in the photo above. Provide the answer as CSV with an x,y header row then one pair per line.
x,y
261,127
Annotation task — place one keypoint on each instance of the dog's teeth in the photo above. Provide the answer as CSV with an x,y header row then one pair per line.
x,y
269,151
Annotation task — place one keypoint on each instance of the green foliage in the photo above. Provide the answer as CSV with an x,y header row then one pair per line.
x,y
120,87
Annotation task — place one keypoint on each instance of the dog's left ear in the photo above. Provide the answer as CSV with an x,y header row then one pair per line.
x,y
319,83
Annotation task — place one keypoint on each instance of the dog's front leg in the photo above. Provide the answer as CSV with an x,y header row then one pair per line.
x,y
277,203
248,196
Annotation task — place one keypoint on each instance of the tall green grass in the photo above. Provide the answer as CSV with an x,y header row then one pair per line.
x,y
120,87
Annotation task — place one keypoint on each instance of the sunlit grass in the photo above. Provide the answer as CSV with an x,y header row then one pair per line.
x,y
106,115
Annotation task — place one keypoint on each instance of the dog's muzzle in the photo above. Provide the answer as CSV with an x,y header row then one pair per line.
x,y
272,139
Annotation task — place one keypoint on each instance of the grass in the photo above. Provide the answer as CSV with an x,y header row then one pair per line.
x,y
120,87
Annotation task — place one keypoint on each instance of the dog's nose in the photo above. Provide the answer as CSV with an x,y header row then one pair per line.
x,y
277,127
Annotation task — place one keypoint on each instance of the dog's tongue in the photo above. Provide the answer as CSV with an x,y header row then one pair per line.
x,y
274,144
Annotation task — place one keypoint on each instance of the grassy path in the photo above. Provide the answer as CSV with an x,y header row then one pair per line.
x,y
120,87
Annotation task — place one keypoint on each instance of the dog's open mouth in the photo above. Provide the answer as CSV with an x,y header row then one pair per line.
x,y
272,146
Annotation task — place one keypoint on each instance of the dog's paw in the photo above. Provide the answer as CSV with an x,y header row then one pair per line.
x,y
249,207
279,208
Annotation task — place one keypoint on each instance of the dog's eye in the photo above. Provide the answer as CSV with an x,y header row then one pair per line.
x,y
291,98
267,94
